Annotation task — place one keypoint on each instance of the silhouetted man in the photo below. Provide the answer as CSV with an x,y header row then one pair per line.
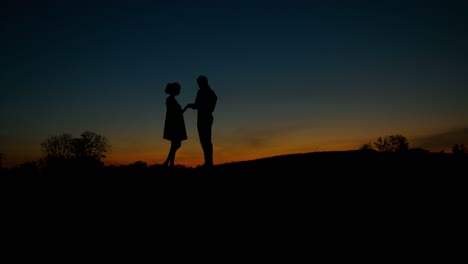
x,y
205,103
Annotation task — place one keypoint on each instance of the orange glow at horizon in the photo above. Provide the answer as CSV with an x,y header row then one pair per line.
x,y
191,155
228,146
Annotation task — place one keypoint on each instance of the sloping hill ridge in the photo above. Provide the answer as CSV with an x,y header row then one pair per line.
x,y
352,177
301,165
352,163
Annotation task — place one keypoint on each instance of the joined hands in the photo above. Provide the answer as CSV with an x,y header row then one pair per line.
x,y
188,106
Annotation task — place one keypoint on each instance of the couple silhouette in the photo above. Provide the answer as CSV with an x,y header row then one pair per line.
x,y
174,125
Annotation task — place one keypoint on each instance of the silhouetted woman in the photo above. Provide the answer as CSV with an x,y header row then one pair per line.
x,y
174,125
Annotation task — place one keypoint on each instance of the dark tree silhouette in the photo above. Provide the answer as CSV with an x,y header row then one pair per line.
x,y
89,145
381,144
65,155
398,143
59,146
458,149
366,147
393,143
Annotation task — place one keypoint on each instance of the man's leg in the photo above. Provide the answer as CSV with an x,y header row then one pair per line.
x,y
204,133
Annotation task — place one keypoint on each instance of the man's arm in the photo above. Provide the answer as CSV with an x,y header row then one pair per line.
x,y
194,105
188,106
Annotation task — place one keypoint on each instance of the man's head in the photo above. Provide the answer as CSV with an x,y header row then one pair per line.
x,y
202,81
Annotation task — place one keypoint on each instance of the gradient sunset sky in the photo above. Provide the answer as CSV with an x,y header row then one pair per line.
x,y
291,76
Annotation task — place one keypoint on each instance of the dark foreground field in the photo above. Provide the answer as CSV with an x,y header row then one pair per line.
x,y
392,202
382,193
352,204
313,165
339,173
354,168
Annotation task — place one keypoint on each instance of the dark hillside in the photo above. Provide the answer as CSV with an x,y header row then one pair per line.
x,y
314,165
348,163
325,180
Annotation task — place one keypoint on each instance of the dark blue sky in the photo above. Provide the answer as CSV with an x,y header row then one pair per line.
x,y
291,76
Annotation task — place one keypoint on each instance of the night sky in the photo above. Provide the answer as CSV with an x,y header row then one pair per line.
x,y
291,76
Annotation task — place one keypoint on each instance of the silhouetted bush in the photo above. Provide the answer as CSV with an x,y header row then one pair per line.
x,y
139,165
393,143
89,145
59,146
459,149
65,155
419,151
367,148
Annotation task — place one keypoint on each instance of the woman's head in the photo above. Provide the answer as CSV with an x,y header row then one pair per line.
x,y
173,88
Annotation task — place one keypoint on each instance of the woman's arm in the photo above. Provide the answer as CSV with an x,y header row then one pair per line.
x,y
189,106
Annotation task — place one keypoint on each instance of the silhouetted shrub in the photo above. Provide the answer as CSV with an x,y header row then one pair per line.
x,y
58,146
393,143
65,155
367,148
419,151
90,145
459,149
139,165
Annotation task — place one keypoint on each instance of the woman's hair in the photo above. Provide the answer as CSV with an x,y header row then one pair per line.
x,y
173,88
